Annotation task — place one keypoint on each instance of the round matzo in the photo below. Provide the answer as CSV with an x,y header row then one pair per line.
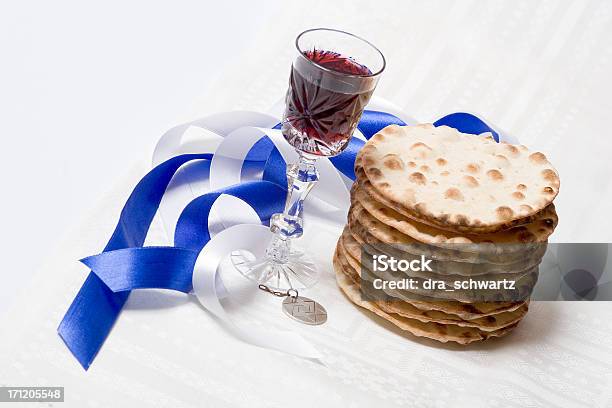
x,y
486,323
457,181
523,287
436,331
363,224
513,239
466,311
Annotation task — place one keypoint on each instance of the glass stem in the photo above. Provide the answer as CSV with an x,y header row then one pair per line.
x,y
301,178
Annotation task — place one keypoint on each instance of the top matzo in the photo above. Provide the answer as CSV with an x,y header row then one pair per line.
x,y
458,181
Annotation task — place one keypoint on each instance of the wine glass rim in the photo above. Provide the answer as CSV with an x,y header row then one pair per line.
x,y
382,68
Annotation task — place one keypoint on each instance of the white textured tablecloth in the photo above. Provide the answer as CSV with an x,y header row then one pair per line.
x,y
539,70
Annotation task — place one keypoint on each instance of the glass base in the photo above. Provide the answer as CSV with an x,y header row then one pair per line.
x,y
296,272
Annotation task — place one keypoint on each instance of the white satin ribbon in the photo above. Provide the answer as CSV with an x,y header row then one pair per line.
x,y
206,279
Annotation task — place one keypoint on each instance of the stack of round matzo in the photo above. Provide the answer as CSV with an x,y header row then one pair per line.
x,y
477,208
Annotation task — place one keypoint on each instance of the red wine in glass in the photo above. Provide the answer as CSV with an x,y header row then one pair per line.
x,y
326,96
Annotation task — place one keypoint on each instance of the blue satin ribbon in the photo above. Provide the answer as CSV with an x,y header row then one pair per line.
x,y
466,123
125,264
96,307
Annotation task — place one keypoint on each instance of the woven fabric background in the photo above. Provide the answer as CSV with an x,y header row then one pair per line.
x,y
539,70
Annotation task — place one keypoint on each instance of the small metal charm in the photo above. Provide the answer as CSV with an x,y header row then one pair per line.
x,y
300,308
304,310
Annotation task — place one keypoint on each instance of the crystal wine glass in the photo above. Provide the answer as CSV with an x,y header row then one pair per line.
x,y
332,79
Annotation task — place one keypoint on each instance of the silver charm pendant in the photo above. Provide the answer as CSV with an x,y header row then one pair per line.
x,y
300,308
304,310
